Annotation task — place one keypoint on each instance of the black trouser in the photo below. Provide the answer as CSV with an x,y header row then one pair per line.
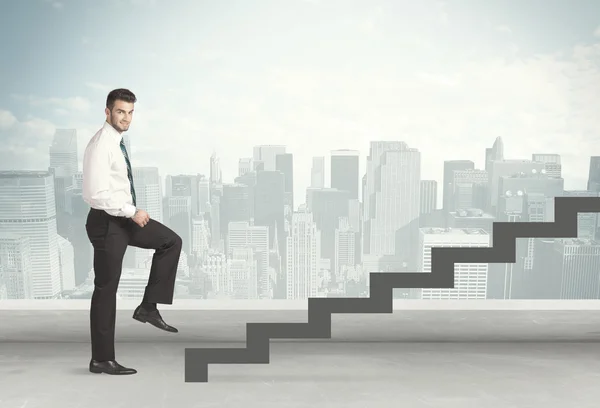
x,y
110,237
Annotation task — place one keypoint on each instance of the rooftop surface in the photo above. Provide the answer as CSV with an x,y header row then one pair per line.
x,y
425,354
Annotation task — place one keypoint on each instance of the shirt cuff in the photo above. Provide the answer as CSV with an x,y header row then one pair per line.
x,y
129,210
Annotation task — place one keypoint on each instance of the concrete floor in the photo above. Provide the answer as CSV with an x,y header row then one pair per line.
x,y
412,358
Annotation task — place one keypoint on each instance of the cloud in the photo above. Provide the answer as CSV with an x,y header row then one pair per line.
x,y
25,142
60,105
7,120
99,87
597,32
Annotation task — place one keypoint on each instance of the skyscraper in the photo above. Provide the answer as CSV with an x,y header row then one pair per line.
x,y
450,166
27,208
285,164
344,171
303,256
317,172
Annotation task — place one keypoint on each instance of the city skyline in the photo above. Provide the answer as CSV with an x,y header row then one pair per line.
x,y
246,233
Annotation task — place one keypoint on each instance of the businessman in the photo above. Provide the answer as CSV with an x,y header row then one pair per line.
x,y
113,223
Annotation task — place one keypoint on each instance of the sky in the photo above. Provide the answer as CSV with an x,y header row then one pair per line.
x,y
315,75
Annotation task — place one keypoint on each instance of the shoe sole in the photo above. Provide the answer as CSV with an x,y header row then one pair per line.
x,y
101,371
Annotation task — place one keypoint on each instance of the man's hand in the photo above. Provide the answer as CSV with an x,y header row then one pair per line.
x,y
141,218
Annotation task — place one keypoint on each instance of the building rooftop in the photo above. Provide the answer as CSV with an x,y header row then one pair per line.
x,y
470,213
24,173
454,231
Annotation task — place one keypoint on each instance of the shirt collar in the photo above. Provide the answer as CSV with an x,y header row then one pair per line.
x,y
118,137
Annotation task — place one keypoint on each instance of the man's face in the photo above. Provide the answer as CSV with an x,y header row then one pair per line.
x,y
121,115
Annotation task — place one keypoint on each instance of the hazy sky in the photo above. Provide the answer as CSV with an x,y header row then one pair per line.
x,y
446,77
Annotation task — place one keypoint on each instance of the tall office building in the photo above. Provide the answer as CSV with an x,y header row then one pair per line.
x,y
285,164
64,166
244,234
428,191
244,165
63,151
303,256
392,218
235,205
327,206
594,174
15,266
345,247
317,172
450,167
470,189
242,270
27,208
494,153
216,176
264,156
269,204
344,171
195,186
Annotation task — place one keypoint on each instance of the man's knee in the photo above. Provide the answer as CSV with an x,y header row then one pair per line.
x,y
176,240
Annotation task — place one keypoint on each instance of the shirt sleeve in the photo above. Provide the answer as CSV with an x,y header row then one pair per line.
x,y
96,176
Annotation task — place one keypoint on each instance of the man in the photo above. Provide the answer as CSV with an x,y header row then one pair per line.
x,y
113,223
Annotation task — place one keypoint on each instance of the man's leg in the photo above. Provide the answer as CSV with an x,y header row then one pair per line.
x,y
161,282
109,240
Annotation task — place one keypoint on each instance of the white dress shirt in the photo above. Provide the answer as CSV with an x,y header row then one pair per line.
x,y
105,182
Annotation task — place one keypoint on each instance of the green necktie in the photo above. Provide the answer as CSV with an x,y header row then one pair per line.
x,y
129,175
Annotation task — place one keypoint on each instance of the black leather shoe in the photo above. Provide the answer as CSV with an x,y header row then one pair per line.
x,y
110,367
153,317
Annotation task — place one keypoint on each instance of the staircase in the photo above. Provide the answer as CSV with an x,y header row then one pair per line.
x,y
318,326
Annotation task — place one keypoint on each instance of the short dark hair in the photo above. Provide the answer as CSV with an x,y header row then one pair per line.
x,y
121,94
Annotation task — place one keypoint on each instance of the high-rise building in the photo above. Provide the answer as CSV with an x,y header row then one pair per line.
x,y
216,176
63,151
594,174
344,171
244,234
235,205
64,165
450,167
303,256
269,204
27,208
317,172
244,165
264,157
15,266
428,191
327,206
392,215
494,153
285,164
470,189
242,270
345,247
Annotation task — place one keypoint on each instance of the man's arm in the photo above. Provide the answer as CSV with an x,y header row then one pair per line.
x,y
96,183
